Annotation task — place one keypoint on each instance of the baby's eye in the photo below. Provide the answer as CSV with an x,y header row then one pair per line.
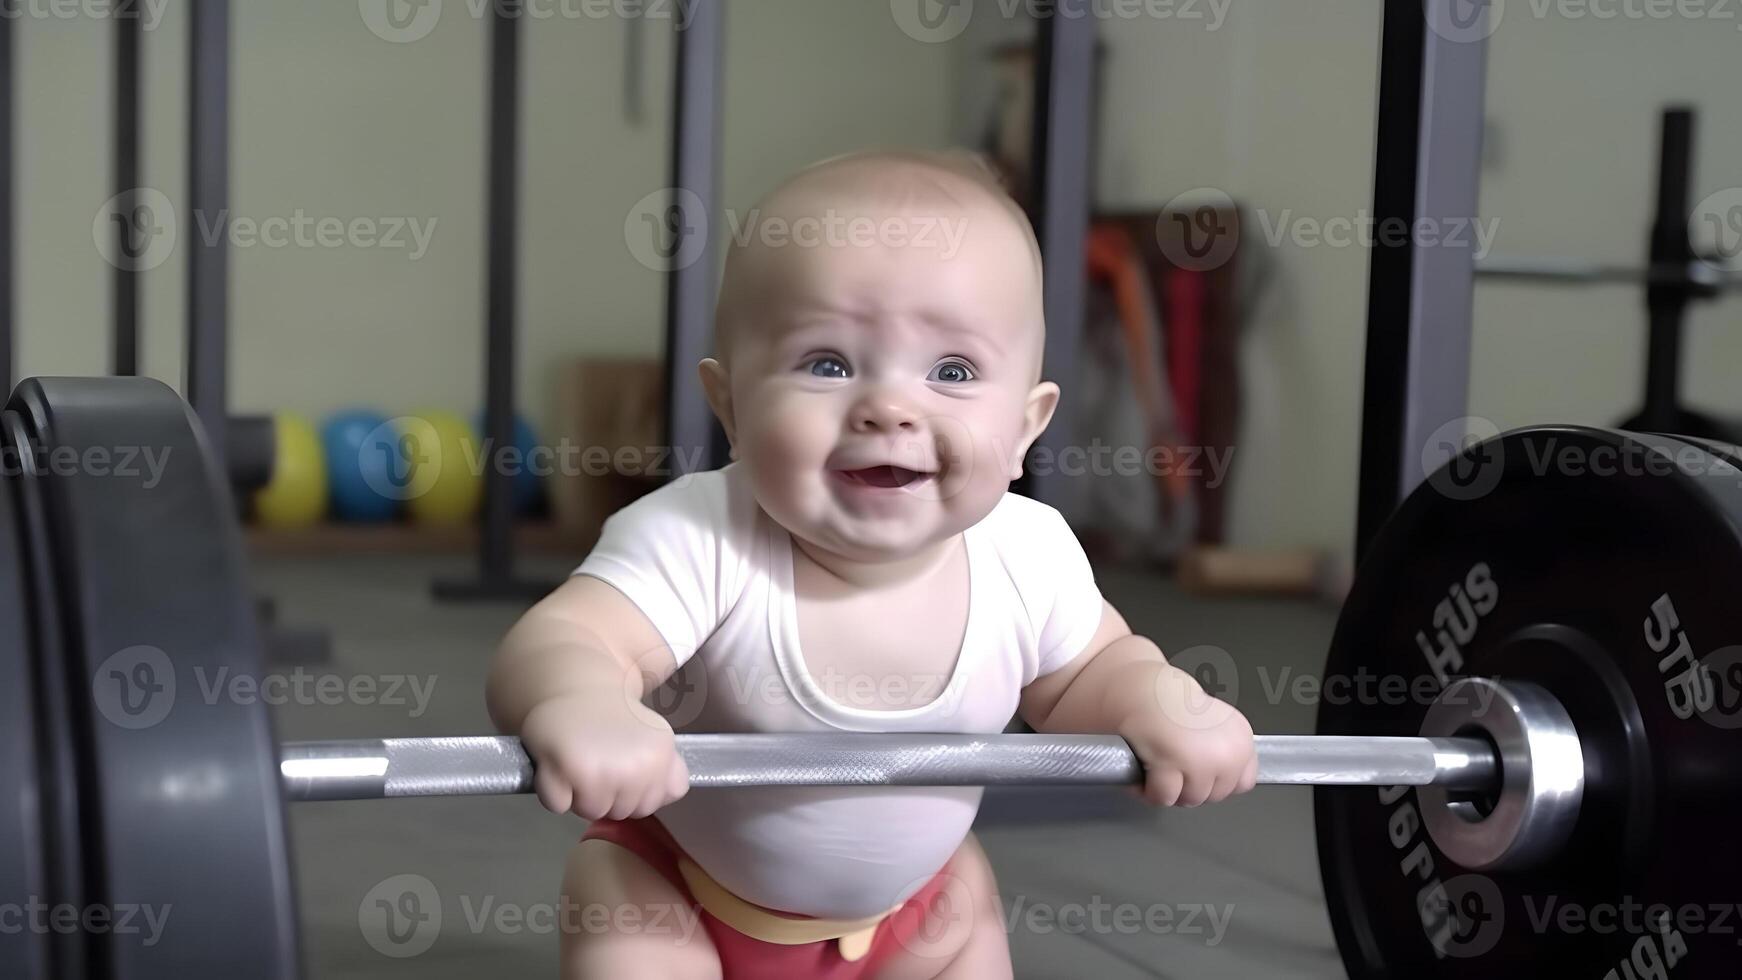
x,y
829,366
952,372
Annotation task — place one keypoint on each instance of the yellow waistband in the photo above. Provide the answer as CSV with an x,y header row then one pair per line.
x,y
759,923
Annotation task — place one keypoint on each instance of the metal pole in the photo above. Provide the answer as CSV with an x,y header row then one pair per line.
x,y
1699,278
496,557
8,234
1063,111
1666,304
497,765
125,298
1432,67
208,290
496,579
692,431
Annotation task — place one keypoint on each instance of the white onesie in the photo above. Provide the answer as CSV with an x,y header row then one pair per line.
x,y
714,574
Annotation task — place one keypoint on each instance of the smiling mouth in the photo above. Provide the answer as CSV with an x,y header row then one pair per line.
x,y
884,477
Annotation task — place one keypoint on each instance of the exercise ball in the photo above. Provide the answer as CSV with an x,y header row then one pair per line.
x,y
444,458
529,470
364,479
297,494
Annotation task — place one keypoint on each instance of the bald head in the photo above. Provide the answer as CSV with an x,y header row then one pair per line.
x,y
943,207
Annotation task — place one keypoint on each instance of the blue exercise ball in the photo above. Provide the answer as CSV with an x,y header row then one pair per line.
x,y
363,467
533,467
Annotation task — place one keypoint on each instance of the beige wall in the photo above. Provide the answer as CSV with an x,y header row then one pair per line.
x,y
1576,102
335,121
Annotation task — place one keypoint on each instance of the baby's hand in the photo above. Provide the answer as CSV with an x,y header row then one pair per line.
x,y
1194,748
603,756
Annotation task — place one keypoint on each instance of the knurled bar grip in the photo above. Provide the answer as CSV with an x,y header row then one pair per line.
x,y
367,769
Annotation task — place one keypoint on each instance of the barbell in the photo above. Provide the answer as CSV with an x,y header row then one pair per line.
x,y
1697,275
484,765
1552,586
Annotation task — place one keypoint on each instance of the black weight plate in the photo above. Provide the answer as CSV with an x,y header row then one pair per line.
x,y
1552,555
188,869
58,743
1725,663
22,847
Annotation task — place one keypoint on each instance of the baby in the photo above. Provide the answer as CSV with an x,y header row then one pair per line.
x,y
860,566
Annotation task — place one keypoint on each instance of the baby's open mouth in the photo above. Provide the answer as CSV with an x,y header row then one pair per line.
x,y
887,477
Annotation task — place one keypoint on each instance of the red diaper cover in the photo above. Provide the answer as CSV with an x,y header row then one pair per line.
x,y
745,958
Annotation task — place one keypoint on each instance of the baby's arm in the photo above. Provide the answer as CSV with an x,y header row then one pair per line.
x,y
1194,748
568,679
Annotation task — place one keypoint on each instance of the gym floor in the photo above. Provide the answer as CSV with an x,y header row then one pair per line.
x,y
1121,892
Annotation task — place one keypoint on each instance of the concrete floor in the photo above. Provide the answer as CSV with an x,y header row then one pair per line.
x,y
1225,891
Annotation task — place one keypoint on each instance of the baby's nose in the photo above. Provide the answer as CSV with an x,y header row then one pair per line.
x,y
884,412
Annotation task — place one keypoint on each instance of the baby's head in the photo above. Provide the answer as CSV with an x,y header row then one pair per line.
x,y
878,346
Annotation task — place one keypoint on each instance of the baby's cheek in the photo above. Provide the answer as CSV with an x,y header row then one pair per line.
x,y
794,437
977,472
786,458
996,447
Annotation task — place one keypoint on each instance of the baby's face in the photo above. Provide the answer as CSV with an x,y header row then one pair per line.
x,y
883,395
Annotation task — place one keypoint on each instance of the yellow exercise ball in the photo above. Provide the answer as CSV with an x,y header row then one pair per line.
x,y
297,494
445,485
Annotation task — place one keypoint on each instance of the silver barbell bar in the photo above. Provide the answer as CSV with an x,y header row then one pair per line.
x,y
1579,272
377,768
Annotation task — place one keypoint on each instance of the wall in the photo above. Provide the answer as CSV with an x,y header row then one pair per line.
x,y
1576,101
332,120
1273,102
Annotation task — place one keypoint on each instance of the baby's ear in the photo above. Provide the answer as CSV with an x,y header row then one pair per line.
x,y
1043,400
717,386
